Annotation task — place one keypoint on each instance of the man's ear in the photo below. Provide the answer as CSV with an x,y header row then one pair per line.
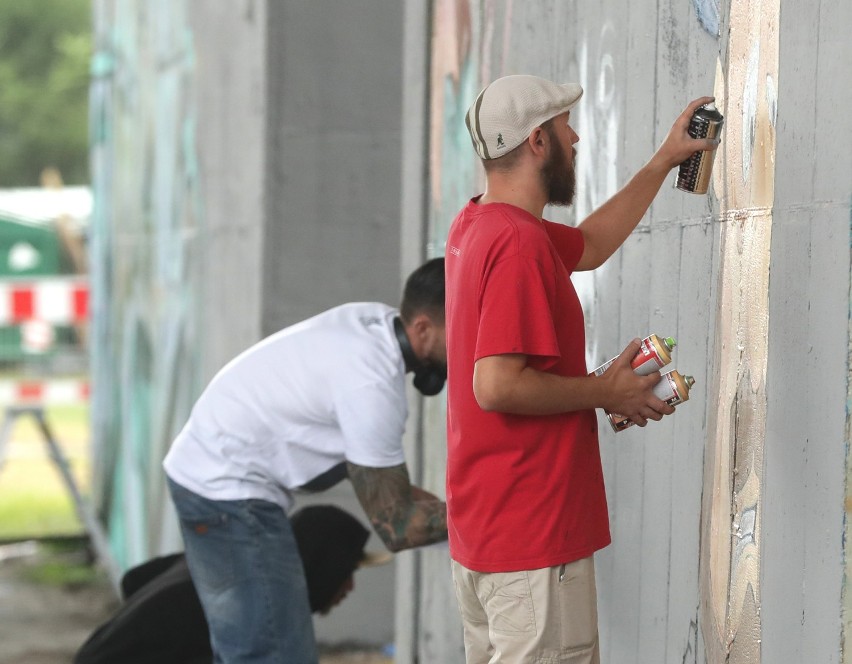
x,y
420,324
538,142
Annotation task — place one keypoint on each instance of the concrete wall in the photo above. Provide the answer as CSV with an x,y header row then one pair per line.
x,y
332,167
331,229
232,143
728,519
245,170
805,569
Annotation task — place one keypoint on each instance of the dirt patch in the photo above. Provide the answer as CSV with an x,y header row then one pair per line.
x,y
44,621
51,600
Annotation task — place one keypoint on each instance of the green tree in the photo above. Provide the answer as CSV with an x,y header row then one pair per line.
x,y
45,49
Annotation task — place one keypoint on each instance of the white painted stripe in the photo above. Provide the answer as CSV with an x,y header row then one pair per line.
x,y
43,392
5,304
8,393
53,301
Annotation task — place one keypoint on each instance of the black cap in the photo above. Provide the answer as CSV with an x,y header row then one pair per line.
x,y
331,543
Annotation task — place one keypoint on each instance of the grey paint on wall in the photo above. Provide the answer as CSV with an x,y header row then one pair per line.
x,y
232,146
332,228
331,211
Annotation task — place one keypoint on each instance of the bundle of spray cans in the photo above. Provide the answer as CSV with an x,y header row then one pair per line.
x,y
654,353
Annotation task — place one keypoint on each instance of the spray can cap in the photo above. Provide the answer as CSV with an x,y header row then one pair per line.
x,y
670,342
690,381
710,106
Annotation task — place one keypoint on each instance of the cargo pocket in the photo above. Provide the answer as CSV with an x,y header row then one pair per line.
x,y
578,608
510,606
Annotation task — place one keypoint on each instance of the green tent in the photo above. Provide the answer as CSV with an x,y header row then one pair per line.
x,y
29,248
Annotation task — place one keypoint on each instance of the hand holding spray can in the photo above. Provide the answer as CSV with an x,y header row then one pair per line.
x,y
654,353
673,388
693,175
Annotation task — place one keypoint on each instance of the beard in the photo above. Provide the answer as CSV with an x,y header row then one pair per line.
x,y
558,175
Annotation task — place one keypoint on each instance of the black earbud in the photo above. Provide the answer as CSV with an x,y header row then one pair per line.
x,y
429,379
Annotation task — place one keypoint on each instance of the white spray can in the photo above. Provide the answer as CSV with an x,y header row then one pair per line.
x,y
673,388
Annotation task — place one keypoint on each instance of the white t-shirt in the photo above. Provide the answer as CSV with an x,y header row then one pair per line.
x,y
327,390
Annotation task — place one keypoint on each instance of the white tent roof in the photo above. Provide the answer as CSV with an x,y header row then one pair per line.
x,y
37,203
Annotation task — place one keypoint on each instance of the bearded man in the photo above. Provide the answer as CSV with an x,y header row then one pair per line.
x,y
525,490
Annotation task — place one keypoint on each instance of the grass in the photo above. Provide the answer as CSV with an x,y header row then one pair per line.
x,y
28,514
64,565
63,574
34,502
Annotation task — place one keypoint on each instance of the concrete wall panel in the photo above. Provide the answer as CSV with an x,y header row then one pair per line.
x,y
231,141
803,575
332,224
807,447
332,168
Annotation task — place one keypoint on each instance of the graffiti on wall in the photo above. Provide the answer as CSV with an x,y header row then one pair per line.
x,y
454,82
598,124
145,283
744,181
707,12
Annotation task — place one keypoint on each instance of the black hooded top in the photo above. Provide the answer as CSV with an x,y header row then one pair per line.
x,y
162,622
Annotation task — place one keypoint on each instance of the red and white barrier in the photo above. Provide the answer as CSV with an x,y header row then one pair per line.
x,y
55,300
23,392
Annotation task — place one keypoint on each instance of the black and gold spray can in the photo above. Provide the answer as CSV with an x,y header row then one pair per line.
x,y
693,175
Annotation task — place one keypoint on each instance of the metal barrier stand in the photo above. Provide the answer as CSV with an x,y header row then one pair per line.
x,y
94,530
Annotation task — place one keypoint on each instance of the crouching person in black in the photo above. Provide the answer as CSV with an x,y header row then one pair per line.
x,y
162,622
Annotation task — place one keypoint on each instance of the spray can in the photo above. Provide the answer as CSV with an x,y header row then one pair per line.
x,y
693,175
654,353
673,388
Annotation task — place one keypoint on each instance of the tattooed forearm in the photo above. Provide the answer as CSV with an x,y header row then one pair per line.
x,y
402,515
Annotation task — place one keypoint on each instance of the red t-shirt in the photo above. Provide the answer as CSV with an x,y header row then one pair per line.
x,y
523,492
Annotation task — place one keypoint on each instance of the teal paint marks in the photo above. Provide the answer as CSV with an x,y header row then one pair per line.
x,y
458,160
707,12
144,258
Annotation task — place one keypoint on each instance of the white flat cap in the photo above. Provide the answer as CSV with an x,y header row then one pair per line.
x,y
505,113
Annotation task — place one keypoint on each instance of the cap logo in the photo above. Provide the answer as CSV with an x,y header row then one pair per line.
x,y
500,144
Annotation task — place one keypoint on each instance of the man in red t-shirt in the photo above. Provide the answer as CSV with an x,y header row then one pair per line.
x,y
525,490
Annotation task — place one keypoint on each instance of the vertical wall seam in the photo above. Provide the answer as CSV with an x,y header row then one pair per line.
x,y
844,592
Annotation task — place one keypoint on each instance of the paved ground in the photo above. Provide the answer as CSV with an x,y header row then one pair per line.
x,y
45,622
42,623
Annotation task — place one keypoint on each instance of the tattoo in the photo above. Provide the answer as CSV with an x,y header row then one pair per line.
x,y
402,515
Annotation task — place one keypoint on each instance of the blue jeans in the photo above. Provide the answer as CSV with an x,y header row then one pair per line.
x,y
245,565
